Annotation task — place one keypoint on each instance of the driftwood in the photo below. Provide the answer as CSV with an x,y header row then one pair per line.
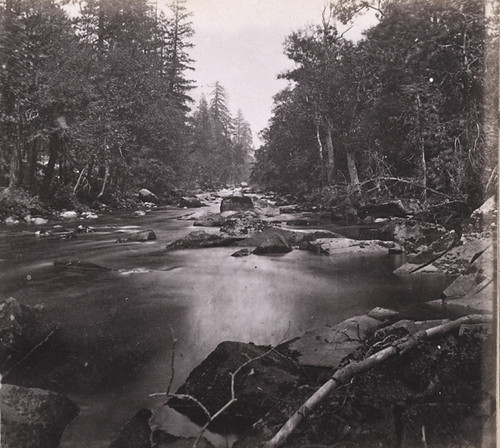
x,y
344,375
404,181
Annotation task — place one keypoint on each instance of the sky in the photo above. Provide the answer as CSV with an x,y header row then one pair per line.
x,y
240,44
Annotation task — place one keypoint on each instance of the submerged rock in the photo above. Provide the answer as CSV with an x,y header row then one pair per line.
x,y
201,239
22,328
257,384
80,265
140,237
33,418
236,203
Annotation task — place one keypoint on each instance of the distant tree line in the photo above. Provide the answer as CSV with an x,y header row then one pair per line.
x,y
98,101
416,100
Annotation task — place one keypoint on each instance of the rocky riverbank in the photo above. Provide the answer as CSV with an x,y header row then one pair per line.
x,y
441,393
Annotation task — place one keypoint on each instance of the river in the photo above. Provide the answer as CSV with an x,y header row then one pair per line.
x,y
114,345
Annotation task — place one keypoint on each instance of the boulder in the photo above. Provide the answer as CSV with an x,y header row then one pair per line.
x,y
71,214
270,241
474,290
140,237
292,237
339,245
33,418
241,253
79,265
190,202
11,220
411,234
329,345
147,196
22,328
37,221
242,224
455,261
209,220
236,203
483,218
201,239
136,433
257,384
397,208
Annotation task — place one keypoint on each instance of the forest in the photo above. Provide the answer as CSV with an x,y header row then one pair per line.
x,y
96,104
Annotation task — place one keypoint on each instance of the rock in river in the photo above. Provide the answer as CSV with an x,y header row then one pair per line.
x,y
236,203
140,237
257,384
80,265
33,418
201,239
147,196
346,245
190,202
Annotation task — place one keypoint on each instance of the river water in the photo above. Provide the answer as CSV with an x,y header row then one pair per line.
x,y
114,345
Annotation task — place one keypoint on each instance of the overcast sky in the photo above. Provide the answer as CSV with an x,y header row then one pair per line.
x,y
240,44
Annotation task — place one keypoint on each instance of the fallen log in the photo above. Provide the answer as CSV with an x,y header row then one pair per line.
x,y
344,375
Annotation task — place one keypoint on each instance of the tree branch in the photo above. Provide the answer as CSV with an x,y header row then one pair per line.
x,y
344,375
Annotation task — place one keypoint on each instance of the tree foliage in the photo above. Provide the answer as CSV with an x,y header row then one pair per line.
x,y
408,100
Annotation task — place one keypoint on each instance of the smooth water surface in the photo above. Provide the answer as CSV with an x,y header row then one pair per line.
x,y
114,344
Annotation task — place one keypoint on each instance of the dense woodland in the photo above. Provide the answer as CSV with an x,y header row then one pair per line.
x,y
410,110
95,102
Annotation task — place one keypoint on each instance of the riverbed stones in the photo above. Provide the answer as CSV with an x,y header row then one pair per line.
x,y
22,328
209,219
201,239
257,383
33,418
236,203
242,224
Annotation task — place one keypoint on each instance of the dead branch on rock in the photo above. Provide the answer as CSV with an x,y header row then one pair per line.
x,y
342,376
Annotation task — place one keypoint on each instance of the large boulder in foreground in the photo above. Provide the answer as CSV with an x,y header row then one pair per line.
x,y
33,418
22,328
236,203
257,384
201,239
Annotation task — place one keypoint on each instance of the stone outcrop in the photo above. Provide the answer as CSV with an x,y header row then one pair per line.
x,y
33,418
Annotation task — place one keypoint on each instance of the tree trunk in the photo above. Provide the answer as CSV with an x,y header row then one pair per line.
x,y
330,166
32,165
54,147
104,182
353,170
16,154
421,157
